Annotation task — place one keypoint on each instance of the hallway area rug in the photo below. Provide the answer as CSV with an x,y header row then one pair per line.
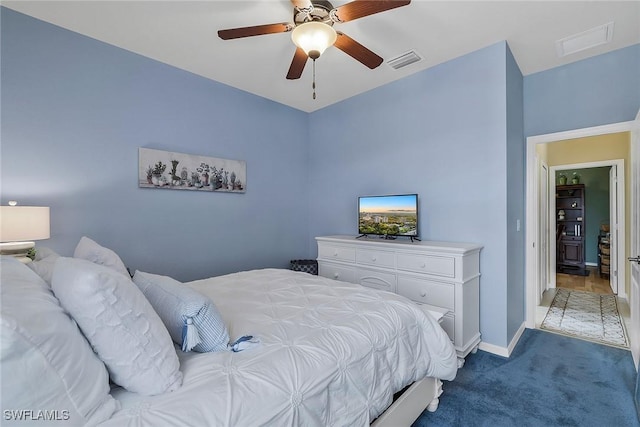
x,y
586,315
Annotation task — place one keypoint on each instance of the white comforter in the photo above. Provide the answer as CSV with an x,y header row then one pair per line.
x,y
331,354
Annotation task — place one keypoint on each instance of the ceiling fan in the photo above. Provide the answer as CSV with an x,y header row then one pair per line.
x,y
312,30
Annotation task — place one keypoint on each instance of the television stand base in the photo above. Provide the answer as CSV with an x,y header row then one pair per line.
x,y
390,237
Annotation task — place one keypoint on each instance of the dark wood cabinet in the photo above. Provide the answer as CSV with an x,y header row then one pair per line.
x,y
570,230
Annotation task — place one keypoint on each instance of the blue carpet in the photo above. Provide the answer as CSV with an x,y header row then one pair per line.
x,y
549,380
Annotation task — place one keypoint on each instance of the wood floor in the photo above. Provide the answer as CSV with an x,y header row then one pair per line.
x,y
590,283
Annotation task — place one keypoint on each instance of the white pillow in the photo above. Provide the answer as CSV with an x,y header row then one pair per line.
x,y
43,252
43,263
182,308
120,324
91,251
46,363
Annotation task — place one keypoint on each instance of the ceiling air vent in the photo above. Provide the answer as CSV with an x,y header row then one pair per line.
x,y
585,40
404,60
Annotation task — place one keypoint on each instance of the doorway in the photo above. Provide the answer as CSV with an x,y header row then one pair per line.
x,y
533,163
601,233
575,233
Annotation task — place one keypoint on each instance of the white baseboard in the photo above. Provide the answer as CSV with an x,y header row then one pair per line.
x,y
495,349
504,351
516,337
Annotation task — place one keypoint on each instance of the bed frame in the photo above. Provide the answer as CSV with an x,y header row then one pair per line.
x,y
408,407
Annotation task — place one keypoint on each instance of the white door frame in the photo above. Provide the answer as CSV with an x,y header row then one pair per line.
x,y
531,252
634,291
544,233
616,187
619,268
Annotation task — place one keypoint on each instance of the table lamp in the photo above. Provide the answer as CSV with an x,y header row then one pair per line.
x,y
20,226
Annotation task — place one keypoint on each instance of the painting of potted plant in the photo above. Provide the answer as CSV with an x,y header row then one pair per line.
x,y
156,173
190,172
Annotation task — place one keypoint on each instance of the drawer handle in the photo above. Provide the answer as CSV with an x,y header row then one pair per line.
x,y
423,294
423,265
336,275
373,258
335,253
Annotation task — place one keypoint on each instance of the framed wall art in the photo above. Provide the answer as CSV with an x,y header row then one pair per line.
x,y
177,171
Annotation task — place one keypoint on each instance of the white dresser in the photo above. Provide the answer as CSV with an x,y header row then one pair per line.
x,y
444,276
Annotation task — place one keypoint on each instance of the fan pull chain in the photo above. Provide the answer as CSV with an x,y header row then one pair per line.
x,y
313,85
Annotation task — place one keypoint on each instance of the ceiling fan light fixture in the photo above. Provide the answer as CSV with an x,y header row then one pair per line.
x,y
314,38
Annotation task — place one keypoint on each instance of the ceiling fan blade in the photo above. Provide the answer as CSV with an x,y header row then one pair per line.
x,y
301,4
258,30
297,65
357,51
360,8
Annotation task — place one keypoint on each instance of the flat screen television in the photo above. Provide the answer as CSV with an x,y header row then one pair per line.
x,y
388,216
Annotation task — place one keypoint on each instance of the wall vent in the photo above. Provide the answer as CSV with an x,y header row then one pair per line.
x,y
404,59
586,40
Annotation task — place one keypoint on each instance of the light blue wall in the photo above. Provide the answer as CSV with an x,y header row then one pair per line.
x,y
515,196
440,133
596,91
75,111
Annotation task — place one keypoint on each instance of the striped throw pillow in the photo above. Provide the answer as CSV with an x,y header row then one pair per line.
x,y
193,321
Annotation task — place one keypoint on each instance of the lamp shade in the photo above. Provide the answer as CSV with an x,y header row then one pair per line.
x,y
24,223
314,38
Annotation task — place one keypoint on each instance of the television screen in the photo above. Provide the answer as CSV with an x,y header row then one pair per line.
x,y
388,215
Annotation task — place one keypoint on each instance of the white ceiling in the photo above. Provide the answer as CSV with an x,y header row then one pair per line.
x,y
184,34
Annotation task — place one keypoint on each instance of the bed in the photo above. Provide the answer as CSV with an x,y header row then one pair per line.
x,y
326,353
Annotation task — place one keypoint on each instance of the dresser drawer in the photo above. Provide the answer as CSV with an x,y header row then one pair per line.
x,y
337,272
376,279
427,292
377,258
428,264
338,253
436,312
